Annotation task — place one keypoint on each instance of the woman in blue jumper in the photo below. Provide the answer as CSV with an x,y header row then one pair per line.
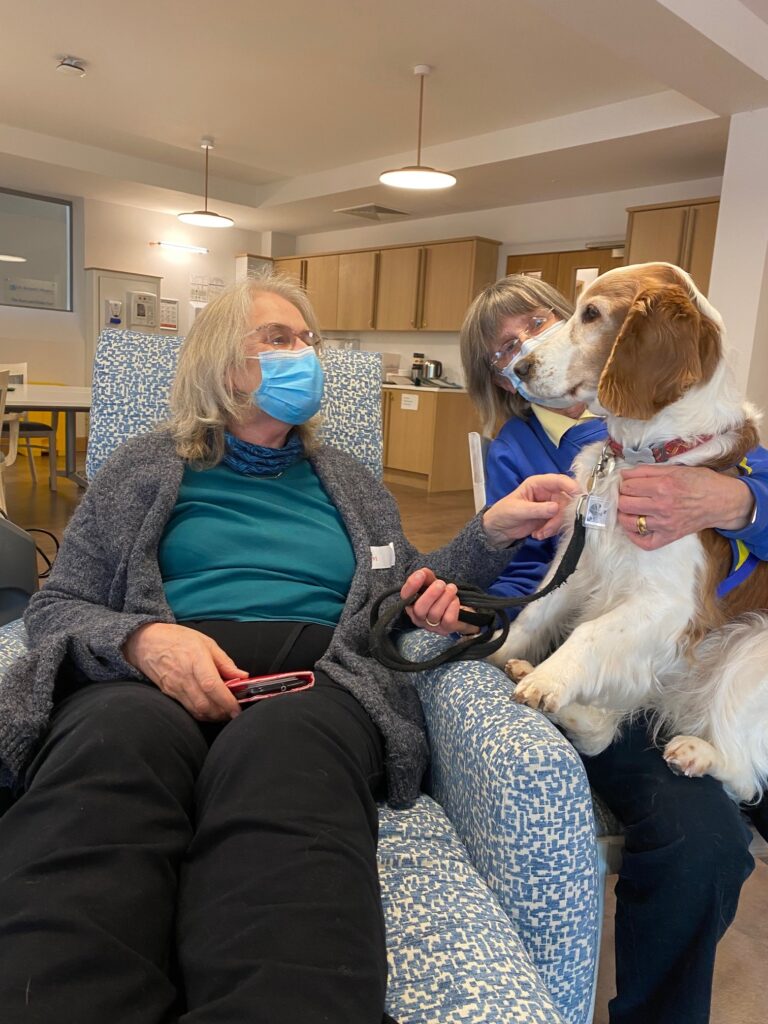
x,y
686,846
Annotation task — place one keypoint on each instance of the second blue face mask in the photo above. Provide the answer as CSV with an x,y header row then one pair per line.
x,y
525,349
291,388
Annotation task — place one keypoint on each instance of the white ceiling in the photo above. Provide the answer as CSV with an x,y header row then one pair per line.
x,y
309,100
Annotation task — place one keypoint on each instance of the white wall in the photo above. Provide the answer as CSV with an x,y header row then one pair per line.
x,y
116,238
739,282
557,225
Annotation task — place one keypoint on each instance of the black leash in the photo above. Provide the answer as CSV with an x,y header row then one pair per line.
x,y
489,614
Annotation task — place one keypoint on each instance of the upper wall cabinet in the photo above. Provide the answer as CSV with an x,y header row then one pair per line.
x,y
681,233
401,288
319,275
358,291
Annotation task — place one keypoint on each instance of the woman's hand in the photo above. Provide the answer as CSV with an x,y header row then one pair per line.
x,y
678,500
188,666
437,609
535,508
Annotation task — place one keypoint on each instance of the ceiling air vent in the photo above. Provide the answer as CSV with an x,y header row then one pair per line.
x,y
372,211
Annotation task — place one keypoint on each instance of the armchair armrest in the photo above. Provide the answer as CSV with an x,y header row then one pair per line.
x,y
517,794
13,643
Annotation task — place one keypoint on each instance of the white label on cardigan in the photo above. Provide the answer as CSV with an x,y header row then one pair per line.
x,y
384,557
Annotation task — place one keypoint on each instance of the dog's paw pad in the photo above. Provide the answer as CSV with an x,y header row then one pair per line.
x,y
690,755
518,669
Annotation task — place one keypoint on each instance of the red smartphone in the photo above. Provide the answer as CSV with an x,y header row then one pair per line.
x,y
260,687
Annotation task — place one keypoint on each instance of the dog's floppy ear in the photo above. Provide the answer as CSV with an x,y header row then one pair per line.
x,y
665,346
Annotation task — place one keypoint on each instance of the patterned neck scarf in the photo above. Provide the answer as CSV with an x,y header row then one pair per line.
x,y
257,460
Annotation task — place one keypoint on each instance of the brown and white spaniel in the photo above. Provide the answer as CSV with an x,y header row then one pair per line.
x,y
636,628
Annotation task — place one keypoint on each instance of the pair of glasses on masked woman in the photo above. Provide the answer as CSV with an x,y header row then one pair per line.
x,y
510,348
280,338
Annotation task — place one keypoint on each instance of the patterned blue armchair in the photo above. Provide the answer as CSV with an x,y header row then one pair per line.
x,y
490,882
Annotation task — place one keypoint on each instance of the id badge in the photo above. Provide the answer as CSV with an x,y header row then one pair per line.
x,y
597,512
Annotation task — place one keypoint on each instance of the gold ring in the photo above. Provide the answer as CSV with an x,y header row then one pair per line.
x,y
429,622
642,526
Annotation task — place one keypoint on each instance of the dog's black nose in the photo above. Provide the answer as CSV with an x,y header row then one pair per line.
x,y
522,368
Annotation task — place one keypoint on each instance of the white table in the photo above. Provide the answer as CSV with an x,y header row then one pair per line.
x,y
54,398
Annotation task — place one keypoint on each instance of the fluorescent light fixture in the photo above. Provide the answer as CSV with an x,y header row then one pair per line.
x,y
418,176
12,259
205,218
180,246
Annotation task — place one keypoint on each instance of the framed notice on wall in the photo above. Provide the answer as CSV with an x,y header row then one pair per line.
x,y
169,314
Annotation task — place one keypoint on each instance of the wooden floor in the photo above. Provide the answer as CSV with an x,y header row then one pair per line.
x,y
741,984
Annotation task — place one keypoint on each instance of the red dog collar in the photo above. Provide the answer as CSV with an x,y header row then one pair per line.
x,y
657,452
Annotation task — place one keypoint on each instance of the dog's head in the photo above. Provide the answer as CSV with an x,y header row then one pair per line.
x,y
639,339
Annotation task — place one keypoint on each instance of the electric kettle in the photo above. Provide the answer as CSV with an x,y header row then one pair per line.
x,y
432,368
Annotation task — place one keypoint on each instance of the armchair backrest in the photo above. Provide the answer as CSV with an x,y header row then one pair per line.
x,y
132,375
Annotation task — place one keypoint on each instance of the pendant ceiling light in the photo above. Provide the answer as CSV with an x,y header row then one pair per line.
x,y
418,176
205,218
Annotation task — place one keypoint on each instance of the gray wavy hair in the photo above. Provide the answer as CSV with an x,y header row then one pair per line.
x,y
511,296
204,400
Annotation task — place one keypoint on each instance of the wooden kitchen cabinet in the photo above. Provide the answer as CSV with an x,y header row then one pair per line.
x,y
452,274
425,438
430,287
398,288
358,290
682,233
293,268
399,281
321,280
319,276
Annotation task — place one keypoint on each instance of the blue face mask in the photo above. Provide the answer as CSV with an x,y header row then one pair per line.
x,y
291,388
527,347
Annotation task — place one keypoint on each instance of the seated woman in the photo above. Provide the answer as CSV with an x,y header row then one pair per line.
x,y
172,854
686,847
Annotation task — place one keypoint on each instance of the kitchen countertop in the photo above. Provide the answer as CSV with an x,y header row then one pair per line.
x,y
424,387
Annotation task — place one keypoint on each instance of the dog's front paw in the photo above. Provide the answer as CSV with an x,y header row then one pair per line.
x,y
690,755
538,691
518,669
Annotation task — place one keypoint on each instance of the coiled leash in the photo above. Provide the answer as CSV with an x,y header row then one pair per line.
x,y
489,613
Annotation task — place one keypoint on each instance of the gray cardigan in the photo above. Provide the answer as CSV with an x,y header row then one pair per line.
x,y
106,583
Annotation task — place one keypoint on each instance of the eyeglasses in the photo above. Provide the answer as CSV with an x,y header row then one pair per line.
x,y
280,338
511,347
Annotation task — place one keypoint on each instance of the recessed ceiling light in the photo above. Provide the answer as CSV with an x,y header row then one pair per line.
x,y
12,259
72,66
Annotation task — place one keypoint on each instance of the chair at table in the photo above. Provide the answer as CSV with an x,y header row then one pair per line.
x,y
32,430
6,459
489,884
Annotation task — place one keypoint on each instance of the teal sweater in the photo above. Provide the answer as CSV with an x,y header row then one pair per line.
x,y
254,548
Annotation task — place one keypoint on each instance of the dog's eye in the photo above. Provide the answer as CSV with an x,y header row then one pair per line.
x,y
589,314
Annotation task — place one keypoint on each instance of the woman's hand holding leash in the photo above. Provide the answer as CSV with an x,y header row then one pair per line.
x,y
534,508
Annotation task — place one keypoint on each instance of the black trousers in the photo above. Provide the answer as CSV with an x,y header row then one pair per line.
x,y
155,870
686,857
